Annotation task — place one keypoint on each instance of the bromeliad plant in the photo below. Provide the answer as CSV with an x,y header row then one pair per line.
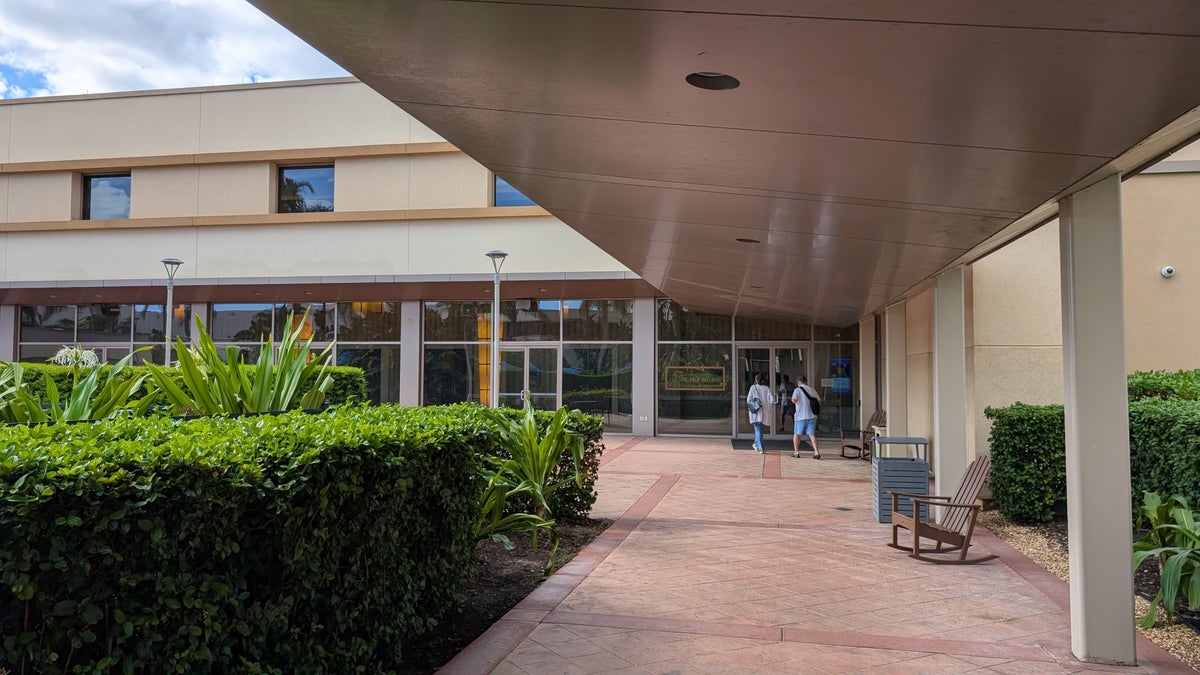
x,y
1174,540
530,469
207,384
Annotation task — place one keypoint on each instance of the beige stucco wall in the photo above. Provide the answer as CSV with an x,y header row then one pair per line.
x,y
232,189
3,198
435,181
353,249
1014,347
162,192
918,319
1162,316
40,196
442,181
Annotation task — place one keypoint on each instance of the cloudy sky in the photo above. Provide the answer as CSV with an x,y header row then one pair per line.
x,y
60,47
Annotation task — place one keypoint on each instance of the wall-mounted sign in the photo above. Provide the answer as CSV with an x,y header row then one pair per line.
x,y
694,378
839,368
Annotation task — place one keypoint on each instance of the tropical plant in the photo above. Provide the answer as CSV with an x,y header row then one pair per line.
x,y
90,398
1174,541
209,385
531,469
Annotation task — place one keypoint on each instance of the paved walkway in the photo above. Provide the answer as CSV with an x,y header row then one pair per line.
x,y
727,561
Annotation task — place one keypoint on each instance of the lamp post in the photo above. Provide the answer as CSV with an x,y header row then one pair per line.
x,y
497,262
172,265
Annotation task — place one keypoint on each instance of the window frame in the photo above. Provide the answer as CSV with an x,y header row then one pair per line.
x,y
85,201
279,176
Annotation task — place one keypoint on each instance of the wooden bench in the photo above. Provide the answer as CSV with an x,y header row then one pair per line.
x,y
953,530
859,440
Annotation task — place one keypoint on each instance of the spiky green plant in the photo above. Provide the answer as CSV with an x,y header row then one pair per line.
x,y
1174,541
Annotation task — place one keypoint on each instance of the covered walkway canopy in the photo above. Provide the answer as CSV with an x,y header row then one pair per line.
x,y
819,160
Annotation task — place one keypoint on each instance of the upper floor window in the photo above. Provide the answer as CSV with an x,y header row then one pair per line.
x,y
507,195
106,197
304,189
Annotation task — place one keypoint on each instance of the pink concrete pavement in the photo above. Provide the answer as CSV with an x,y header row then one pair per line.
x,y
728,561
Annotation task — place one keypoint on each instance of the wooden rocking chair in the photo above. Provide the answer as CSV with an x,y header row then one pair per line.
x,y
859,440
957,522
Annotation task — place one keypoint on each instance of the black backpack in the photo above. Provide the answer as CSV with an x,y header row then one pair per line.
x,y
812,402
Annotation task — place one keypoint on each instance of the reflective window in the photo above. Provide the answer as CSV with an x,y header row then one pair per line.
x,y
694,388
48,323
836,370
507,195
598,379
148,323
369,321
106,197
381,368
597,320
529,320
241,322
847,334
458,321
747,328
318,327
678,324
104,323
455,373
304,189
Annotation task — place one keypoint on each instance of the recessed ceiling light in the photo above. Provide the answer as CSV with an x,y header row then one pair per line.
x,y
308,292
713,81
748,240
258,292
756,287
53,295
96,295
542,290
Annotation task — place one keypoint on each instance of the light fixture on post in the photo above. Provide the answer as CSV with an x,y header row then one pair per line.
x,y
497,257
172,265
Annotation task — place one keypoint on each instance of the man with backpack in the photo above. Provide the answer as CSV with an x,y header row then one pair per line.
x,y
808,404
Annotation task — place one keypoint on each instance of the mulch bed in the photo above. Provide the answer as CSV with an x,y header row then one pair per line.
x,y
502,580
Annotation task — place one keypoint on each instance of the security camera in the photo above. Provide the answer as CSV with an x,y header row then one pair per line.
x,y
1167,272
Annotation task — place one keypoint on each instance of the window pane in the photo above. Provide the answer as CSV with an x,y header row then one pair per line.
x,y
455,373
747,328
249,352
600,320
106,197
529,320
458,321
380,366
694,389
36,353
847,334
318,327
48,323
305,189
247,322
507,195
153,355
837,380
369,321
598,379
676,323
104,323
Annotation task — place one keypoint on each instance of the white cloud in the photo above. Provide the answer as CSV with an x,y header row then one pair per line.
x,y
51,47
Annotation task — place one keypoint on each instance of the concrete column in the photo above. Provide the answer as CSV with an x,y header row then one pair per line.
x,y
949,380
199,311
645,365
1097,425
8,330
895,379
867,396
411,357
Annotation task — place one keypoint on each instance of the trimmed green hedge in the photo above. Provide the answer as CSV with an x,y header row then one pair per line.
x,y
1029,465
284,543
349,383
1028,447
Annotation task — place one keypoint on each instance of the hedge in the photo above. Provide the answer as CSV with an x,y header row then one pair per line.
x,y
349,383
285,543
1028,447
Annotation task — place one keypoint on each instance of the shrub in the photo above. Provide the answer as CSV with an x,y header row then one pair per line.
x,y
1165,447
1184,384
285,543
1173,540
1029,466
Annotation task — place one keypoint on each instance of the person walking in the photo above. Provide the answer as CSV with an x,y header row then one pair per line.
x,y
805,419
786,388
758,399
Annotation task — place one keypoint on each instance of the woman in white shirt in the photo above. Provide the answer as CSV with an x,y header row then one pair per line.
x,y
757,400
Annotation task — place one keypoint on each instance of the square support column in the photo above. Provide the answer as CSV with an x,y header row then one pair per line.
x,y
411,357
645,366
895,379
868,397
949,380
1097,425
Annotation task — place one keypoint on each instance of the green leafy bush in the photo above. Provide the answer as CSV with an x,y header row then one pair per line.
x,y
1165,447
1173,540
1184,384
288,543
1029,466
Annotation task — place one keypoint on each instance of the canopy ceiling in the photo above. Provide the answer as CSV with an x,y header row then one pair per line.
x,y
869,144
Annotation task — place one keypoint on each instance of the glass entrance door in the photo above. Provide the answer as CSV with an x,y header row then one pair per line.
x,y
529,369
774,362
